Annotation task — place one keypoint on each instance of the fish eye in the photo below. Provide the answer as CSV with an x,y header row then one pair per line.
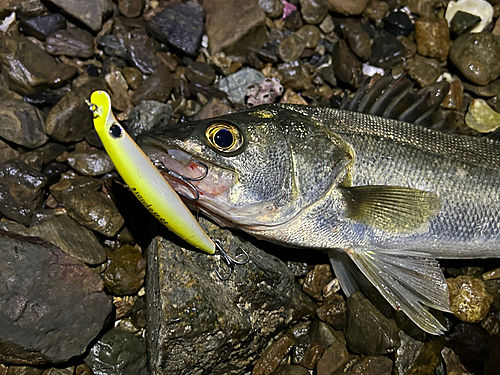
x,y
224,137
115,131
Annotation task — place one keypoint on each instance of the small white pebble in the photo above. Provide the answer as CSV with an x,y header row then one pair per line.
x,y
480,8
371,70
4,26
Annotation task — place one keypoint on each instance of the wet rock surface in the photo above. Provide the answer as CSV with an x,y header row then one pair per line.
x,y
46,297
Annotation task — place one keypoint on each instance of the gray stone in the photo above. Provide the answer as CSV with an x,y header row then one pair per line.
x,y
147,115
477,56
387,50
28,68
72,238
141,56
21,190
90,162
118,352
189,307
112,46
199,72
42,26
226,33
235,85
90,12
180,26
368,332
273,8
72,42
52,305
22,123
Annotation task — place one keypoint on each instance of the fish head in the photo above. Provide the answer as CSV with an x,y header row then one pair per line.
x,y
265,164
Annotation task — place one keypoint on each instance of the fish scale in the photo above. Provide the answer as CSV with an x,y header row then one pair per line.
x,y
383,195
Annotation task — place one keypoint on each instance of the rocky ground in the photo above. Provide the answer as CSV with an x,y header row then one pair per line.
x,y
75,244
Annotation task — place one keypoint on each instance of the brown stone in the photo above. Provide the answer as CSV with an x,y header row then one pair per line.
x,y
347,7
433,37
469,300
273,356
332,359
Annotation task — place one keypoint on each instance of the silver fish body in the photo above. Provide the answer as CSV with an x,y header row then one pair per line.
x,y
392,195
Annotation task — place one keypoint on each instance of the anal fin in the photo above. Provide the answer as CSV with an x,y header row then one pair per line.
x,y
408,281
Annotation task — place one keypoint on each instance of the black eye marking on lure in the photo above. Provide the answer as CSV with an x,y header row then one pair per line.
x,y
116,131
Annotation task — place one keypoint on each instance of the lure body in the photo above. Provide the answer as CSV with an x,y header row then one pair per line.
x,y
144,179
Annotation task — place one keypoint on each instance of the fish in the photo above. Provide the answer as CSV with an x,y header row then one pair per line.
x,y
143,178
386,196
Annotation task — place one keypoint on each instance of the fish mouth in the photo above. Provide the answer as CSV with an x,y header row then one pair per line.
x,y
203,185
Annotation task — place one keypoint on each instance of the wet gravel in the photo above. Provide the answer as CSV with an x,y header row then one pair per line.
x,y
171,61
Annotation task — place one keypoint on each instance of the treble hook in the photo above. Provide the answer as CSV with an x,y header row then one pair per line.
x,y
186,179
230,261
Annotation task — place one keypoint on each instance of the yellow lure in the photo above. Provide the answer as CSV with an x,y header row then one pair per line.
x,y
143,178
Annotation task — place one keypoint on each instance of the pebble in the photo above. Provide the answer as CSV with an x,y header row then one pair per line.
x,y
70,119
310,34
133,76
272,8
131,8
346,66
316,279
226,33
70,42
264,93
480,8
7,152
313,11
471,53
290,370
463,22
180,26
398,23
90,162
28,68
387,50
312,354
423,70
21,190
22,123
295,76
121,99
470,343
90,12
294,21
42,26
141,56
454,98
469,300
376,10
373,365
291,48
112,46
235,85
333,311
334,358
147,115
199,72
48,296
481,117
125,272
358,39
273,356
368,332
157,86
325,335
433,37
453,364
118,352
75,240
347,7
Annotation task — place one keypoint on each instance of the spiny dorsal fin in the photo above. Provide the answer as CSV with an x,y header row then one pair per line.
x,y
391,208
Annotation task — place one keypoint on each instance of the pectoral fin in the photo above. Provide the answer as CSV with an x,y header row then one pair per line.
x,y
391,208
408,281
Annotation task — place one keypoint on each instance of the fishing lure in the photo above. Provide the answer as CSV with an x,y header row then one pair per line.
x,y
148,184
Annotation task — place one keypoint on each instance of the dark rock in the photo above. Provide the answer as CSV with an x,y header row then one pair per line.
x,y
180,26
190,308
295,76
491,364
94,211
387,51
416,357
371,366
7,152
235,85
453,364
347,7
90,162
199,72
398,23
69,183
226,33
291,48
368,332
22,123
133,76
208,92
42,26
333,311
141,56
53,171
294,21
424,71
334,357
70,119
298,269
273,356
71,42
22,8
316,279
477,56
313,11
131,8
290,370
125,272
48,296
147,115
358,39
470,343
28,68
324,334
72,238
90,12
273,8
112,46
312,354
157,86
463,22
118,352
346,66
21,190
213,108
433,37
